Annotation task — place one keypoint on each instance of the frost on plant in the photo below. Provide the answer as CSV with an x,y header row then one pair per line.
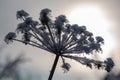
x,y
21,14
61,38
9,37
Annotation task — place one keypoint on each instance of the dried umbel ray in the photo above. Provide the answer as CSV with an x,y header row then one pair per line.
x,y
59,38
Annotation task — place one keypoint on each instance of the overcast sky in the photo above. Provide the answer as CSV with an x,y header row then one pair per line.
x,y
41,62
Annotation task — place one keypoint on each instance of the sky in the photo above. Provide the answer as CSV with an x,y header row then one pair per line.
x,y
41,61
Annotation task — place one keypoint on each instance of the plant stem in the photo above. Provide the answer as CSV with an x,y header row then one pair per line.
x,y
53,67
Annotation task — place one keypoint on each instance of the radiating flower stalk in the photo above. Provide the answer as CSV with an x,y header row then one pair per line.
x,y
59,38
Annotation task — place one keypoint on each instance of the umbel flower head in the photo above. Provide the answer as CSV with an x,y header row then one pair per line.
x,y
21,14
9,37
44,16
60,38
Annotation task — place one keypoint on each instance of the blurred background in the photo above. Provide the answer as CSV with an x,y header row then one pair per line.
x,y
100,17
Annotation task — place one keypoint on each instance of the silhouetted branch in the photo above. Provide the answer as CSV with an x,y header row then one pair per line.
x,y
10,68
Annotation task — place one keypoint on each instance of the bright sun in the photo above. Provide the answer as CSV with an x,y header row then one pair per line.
x,y
96,22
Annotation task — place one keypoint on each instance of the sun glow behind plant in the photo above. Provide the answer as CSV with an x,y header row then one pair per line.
x,y
95,21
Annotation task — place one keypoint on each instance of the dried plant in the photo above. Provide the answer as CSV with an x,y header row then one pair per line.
x,y
59,38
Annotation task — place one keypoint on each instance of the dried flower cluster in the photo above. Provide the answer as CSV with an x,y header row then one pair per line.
x,y
60,38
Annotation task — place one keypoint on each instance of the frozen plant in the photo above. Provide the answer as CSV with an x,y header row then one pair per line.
x,y
59,38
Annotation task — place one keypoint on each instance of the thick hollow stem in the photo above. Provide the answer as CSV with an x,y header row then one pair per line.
x,y
53,67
